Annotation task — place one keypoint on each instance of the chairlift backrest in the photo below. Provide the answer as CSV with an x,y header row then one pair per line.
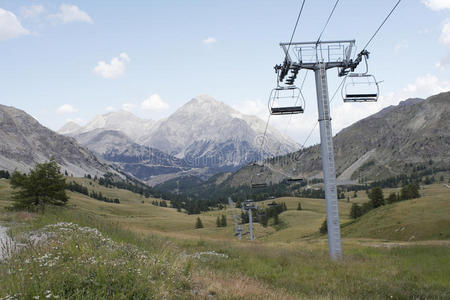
x,y
360,87
286,100
259,179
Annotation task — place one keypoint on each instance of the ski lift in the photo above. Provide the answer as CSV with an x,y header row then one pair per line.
x,y
259,179
294,179
286,100
273,204
360,87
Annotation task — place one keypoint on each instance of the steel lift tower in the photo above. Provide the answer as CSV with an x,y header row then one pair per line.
x,y
319,57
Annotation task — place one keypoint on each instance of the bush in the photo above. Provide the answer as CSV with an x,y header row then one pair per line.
x,y
299,206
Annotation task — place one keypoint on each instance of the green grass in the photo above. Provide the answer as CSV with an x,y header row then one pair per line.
x,y
425,218
79,262
291,262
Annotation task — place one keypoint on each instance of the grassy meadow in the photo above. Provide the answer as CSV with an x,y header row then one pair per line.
x,y
400,250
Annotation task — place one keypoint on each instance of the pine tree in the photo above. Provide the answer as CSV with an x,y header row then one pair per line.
x,y
43,185
299,206
392,198
276,219
355,211
324,228
223,221
199,223
376,197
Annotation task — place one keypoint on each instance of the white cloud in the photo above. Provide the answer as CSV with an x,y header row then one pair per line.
x,y
78,121
209,41
437,4
445,33
114,69
71,13
445,40
253,107
111,108
400,46
423,31
128,106
10,26
346,114
154,102
66,109
32,10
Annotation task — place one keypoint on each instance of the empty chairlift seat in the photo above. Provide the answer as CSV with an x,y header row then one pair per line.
x,y
259,178
286,101
360,88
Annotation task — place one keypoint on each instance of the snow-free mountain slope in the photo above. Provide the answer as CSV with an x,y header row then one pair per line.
x,y
120,120
207,136
69,128
203,124
141,161
25,142
389,143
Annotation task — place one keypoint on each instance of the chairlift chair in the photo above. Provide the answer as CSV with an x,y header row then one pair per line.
x,y
258,180
273,204
286,100
360,87
294,179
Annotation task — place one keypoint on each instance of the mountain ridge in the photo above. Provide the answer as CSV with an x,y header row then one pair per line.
x,y
26,142
208,135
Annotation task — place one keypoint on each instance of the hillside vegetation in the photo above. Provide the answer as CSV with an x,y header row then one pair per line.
x,y
284,262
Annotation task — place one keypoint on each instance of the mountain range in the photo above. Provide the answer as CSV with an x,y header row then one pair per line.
x,y
392,142
25,142
201,138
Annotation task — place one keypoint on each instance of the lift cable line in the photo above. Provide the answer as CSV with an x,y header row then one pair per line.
x,y
290,41
296,23
317,122
384,21
328,20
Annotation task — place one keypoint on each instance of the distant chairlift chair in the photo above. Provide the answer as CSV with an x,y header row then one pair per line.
x,y
259,180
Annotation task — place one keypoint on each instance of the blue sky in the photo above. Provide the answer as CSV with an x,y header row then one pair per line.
x,y
72,60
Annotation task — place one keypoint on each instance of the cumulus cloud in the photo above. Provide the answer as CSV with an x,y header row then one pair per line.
x,y
154,102
114,69
253,107
71,13
209,41
128,106
111,108
66,109
10,26
445,33
78,121
437,4
32,11
445,40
